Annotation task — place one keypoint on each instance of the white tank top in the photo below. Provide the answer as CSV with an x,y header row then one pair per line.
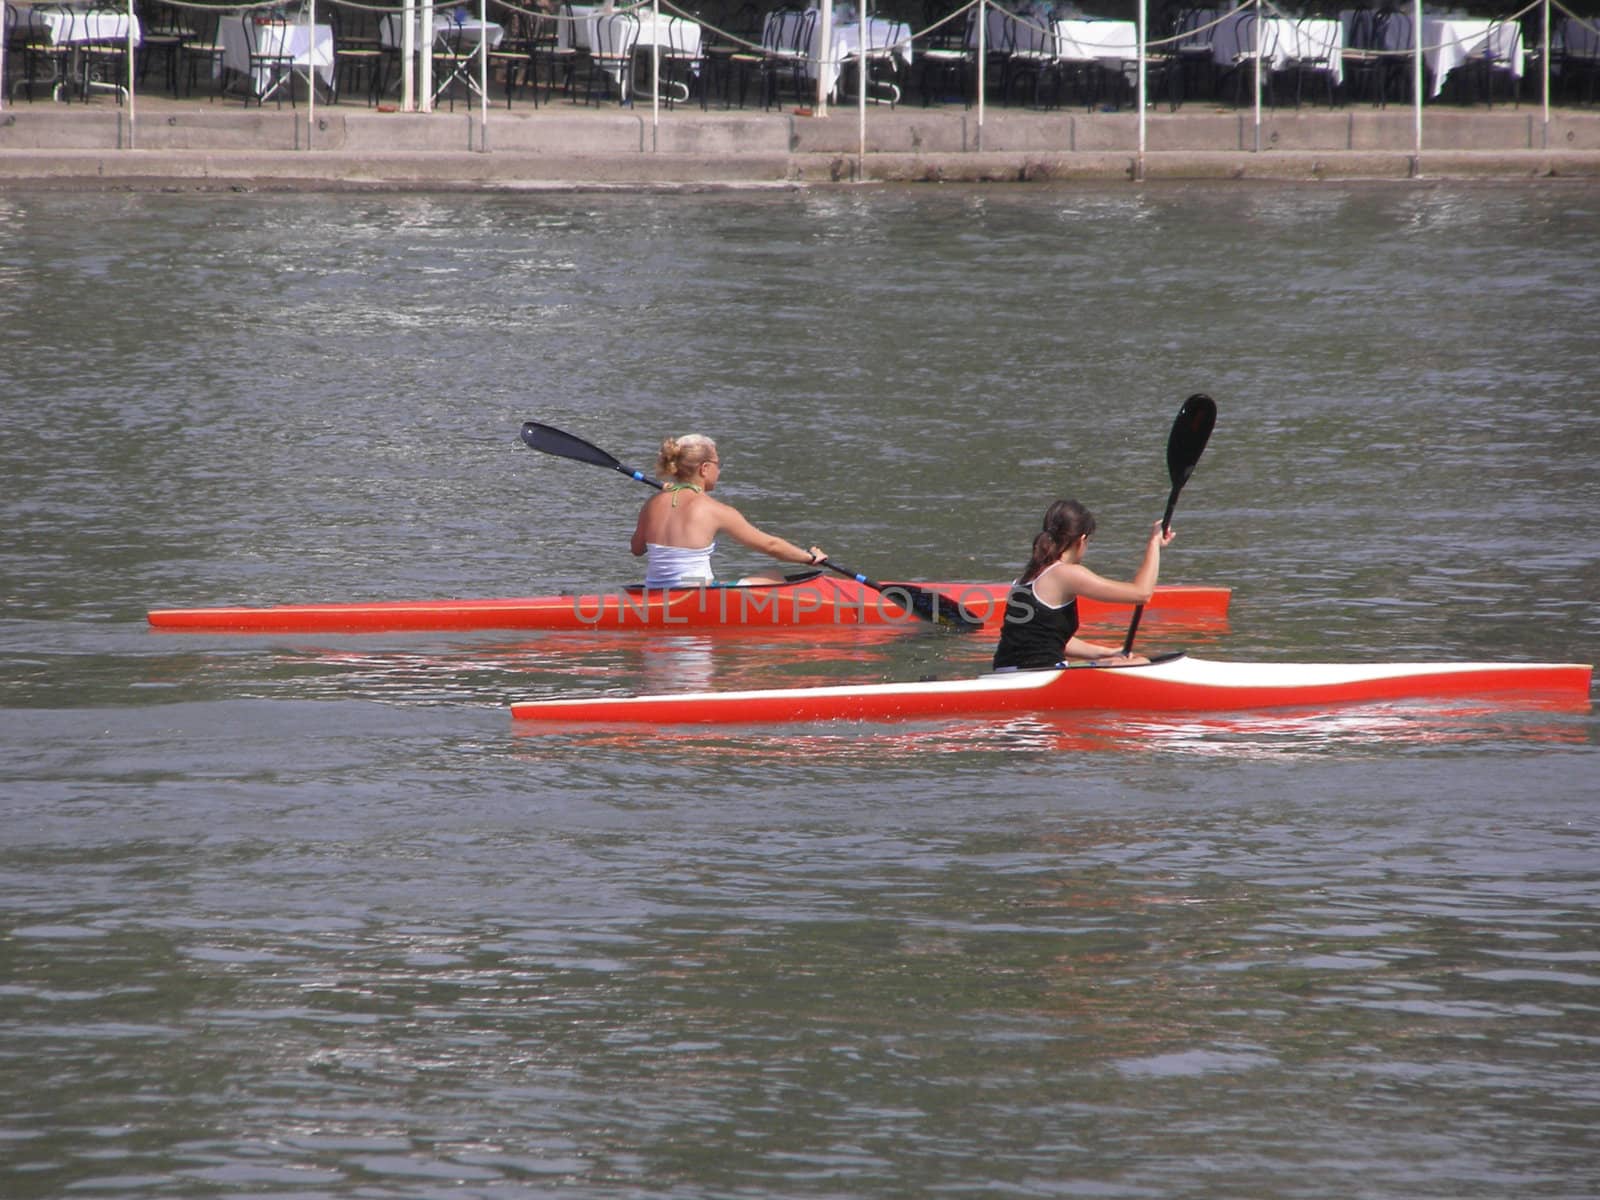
x,y
678,566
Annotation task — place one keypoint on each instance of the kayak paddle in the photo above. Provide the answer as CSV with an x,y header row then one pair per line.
x,y
930,606
1190,431
550,440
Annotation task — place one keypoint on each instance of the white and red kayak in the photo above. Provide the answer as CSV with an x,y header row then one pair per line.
x,y
807,601
1173,684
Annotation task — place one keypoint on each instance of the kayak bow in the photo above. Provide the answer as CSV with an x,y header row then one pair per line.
x,y
1174,684
808,600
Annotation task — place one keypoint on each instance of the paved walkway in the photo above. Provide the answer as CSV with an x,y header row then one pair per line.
x,y
208,144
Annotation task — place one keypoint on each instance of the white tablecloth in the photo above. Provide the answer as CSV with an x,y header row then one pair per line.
x,y
1076,39
891,36
1111,42
1447,42
291,39
1285,38
473,31
74,27
669,31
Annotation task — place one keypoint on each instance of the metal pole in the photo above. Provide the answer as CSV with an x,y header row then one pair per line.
x,y
3,55
133,22
1255,54
1416,86
655,70
311,70
983,62
863,41
425,67
408,57
1144,51
483,76
823,59
1545,138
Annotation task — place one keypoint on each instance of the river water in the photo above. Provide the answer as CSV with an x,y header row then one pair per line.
x,y
308,917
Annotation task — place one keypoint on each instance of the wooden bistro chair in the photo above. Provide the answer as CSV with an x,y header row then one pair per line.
x,y
358,59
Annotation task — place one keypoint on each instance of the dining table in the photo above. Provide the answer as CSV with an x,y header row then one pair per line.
x,y
878,35
1108,42
445,20
1075,39
1450,40
1290,39
74,28
307,47
666,31
469,32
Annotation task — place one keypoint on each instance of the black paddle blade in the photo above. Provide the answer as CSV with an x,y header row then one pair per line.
x,y
1191,430
549,440
929,606
941,610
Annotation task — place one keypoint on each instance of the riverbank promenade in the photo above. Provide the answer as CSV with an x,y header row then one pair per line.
x,y
220,143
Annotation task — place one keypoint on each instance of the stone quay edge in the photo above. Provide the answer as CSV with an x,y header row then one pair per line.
x,y
177,146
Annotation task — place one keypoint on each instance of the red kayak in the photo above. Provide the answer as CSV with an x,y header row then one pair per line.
x,y
1173,684
806,601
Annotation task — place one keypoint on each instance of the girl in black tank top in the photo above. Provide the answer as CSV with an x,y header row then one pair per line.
x,y
1034,633
1041,625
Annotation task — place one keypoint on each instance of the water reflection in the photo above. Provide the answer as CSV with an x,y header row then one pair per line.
x,y
1383,730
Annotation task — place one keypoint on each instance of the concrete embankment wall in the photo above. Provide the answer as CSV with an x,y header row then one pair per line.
x,y
172,144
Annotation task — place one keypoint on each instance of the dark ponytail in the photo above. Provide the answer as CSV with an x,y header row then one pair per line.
x,y
1065,522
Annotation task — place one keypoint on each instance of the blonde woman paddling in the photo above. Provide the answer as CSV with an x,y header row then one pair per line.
x,y
679,526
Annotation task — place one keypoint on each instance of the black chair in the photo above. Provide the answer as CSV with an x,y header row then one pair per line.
x,y
202,51
881,65
668,65
611,57
1196,51
1575,58
270,67
1033,59
103,54
1163,66
718,48
43,35
1491,64
1362,55
1393,29
1316,48
1252,63
358,60
547,57
948,60
785,61
751,63
163,29
510,60
572,45
455,60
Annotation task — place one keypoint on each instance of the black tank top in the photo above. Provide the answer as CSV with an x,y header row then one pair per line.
x,y
1034,634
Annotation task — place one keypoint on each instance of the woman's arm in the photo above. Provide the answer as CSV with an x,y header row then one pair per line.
x,y
1065,580
733,523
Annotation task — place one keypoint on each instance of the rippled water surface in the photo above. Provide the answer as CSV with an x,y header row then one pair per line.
x,y
306,916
